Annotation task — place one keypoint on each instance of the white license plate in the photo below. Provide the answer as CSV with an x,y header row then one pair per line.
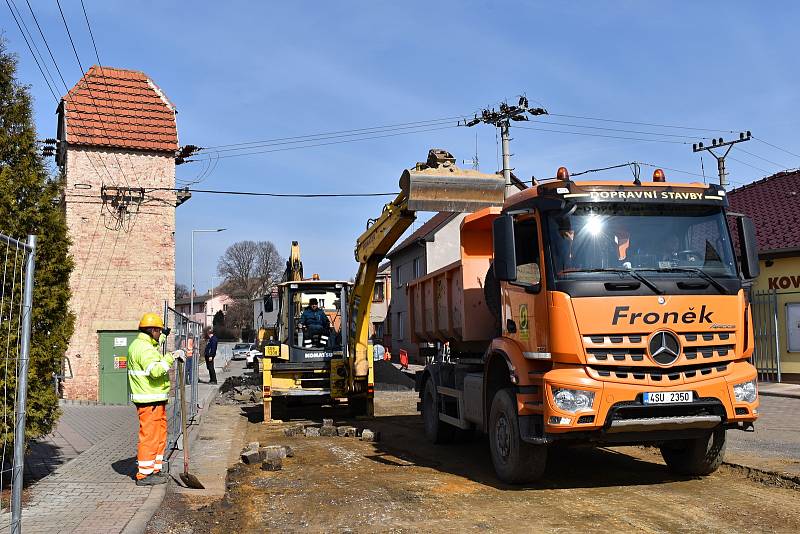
x,y
668,397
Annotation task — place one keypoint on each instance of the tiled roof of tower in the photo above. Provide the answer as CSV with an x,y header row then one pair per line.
x,y
120,108
773,203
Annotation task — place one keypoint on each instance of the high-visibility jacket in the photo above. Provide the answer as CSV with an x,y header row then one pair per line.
x,y
148,370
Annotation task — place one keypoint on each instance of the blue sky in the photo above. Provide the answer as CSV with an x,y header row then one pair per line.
x,y
246,71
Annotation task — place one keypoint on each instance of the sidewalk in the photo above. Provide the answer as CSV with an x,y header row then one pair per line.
x,y
92,456
773,389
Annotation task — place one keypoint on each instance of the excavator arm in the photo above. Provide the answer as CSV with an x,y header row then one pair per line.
x,y
436,185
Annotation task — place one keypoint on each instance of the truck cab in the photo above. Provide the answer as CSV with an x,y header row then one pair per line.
x,y
593,312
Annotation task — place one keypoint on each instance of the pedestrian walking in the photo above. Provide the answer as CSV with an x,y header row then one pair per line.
x,y
210,354
148,377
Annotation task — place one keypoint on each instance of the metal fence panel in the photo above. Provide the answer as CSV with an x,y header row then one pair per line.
x,y
16,303
766,354
185,334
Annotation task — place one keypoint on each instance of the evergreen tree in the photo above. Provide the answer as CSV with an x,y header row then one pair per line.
x,y
31,203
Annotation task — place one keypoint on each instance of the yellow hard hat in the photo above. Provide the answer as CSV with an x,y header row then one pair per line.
x,y
151,320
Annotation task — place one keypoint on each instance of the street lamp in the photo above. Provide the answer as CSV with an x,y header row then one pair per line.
x,y
191,294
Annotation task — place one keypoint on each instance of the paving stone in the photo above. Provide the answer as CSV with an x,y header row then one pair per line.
x,y
251,457
328,431
369,435
296,430
274,464
272,451
346,431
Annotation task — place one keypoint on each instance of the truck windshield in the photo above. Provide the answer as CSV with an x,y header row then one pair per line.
x,y
665,239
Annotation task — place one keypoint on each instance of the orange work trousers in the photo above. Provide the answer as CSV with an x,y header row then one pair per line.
x,y
152,438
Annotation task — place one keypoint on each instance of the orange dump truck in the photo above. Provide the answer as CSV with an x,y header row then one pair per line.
x,y
592,312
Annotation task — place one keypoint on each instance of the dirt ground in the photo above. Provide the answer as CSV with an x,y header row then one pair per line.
x,y
405,484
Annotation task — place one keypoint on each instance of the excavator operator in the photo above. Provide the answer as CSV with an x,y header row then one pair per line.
x,y
314,320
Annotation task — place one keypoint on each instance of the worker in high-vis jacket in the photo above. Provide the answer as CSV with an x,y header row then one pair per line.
x,y
148,376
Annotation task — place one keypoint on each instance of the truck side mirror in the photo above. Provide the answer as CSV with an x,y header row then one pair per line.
x,y
268,307
748,247
505,256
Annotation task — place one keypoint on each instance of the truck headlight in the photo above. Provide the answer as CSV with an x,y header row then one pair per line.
x,y
746,391
573,400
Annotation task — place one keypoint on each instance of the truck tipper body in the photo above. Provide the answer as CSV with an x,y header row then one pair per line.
x,y
592,312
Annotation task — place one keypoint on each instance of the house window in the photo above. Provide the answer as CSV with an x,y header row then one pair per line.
x,y
398,281
224,308
417,267
401,325
377,295
378,331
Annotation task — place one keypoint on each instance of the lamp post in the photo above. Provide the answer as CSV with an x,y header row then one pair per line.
x,y
191,291
212,296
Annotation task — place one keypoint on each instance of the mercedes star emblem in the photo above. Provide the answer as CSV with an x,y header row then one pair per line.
x,y
664,347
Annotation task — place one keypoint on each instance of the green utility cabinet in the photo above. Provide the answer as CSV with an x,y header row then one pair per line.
x,y
114,366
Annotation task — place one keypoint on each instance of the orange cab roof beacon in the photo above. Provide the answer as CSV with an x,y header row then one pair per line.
x,y
562,174
659,176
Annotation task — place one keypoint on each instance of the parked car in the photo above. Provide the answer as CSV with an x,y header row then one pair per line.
x,y
252,356
240,350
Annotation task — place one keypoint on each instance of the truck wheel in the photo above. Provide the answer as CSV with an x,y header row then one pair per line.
x,y
436,430
515,461
699,456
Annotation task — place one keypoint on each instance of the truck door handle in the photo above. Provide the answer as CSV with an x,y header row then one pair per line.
x,y
511,326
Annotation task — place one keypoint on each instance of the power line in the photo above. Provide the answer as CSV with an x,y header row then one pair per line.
x,y
47,45
641,123
782,166
749,165
605,136
325,144
278,195
91,96
776,147
340,132
618,129
341,136
31,50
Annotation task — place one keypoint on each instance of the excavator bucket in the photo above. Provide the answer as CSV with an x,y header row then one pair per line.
x,y
439,185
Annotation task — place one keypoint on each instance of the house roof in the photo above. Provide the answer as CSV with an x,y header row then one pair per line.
x,y
119,108
773,203
423,231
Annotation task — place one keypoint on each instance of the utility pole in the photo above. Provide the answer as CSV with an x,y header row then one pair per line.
x,y
719,143
502,119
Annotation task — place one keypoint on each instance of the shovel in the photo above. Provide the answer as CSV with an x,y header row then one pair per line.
x,y
188,479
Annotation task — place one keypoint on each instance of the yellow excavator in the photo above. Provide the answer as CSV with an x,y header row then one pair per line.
x,y
338,365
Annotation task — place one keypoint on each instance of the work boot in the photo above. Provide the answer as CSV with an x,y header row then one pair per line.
x,y
151,480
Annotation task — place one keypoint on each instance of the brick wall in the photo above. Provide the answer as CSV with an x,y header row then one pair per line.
x,y
119,273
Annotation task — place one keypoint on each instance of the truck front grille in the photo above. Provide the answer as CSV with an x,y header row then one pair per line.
x,y
658,376
631,349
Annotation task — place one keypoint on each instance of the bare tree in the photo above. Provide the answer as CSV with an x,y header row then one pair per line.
x,y
269,265
181,291
250,267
